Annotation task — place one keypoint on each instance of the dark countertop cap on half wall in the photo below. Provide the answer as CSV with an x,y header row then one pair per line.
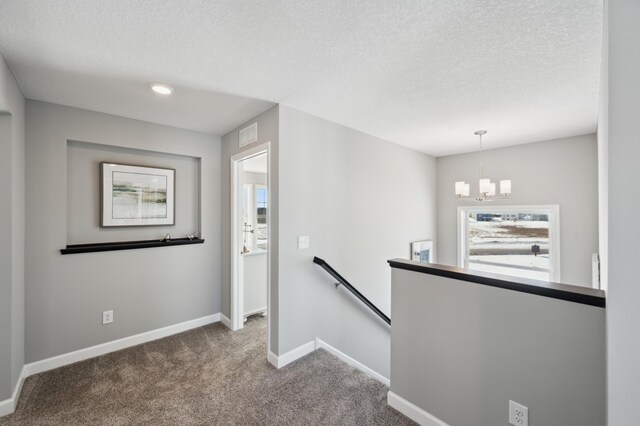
x,y
570,293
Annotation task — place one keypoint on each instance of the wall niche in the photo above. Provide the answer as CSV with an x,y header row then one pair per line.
x,y
83,194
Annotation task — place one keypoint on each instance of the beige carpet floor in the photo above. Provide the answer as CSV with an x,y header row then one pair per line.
x,y
206,376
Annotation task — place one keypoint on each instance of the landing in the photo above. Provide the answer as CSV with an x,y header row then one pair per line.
x,y
208,375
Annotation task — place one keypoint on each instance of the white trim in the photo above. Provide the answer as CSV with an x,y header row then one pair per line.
x,y
292,355
462,232
237,289
554,232
116,345
412,411
237,293
595,270
269,240
8,406
346,358
255,311
307,348
272,358
225,321
236,268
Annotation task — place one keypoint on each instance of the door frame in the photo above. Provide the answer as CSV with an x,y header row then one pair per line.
x,y
237,285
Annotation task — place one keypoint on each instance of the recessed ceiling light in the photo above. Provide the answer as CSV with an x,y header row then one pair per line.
x,y
161,89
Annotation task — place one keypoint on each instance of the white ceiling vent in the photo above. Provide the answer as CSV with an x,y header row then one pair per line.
x,y
249,134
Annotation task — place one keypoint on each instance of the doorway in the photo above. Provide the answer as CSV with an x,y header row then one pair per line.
x,y
250,237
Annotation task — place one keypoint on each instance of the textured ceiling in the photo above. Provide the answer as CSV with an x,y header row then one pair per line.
x,y
424,74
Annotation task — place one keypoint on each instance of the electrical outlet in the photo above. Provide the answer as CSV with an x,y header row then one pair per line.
x,y
518,414
107,317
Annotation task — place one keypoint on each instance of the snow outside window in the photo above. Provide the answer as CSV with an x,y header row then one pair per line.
x,y
521,241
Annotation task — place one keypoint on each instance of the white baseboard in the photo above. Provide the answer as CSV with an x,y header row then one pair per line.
x,y
255,311
273,359
412,411
8,406
346,358
116,345
292,355
225,321
300,351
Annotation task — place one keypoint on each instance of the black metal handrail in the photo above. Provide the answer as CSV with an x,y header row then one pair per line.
x,y
324,265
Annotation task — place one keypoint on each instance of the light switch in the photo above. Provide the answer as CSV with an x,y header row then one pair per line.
x,y
303,242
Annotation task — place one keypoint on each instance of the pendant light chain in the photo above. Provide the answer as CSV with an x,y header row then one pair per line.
x,y
481,162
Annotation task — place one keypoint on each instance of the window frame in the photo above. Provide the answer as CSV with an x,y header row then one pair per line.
x,y
553,210
248,187
256,188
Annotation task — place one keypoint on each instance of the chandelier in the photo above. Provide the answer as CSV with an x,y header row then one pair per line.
x,y
486,188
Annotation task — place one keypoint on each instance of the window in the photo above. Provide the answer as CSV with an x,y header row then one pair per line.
x,y
254,215
521,241
261,216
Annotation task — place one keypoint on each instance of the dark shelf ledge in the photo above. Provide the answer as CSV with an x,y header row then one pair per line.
x,y
571,293
127,245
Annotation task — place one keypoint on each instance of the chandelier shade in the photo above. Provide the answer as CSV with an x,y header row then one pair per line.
x,y
486,188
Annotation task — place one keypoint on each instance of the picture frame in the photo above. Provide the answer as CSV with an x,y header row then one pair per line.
x,y
132,195
422,251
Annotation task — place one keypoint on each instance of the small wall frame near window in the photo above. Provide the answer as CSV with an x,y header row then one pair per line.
x,y
136,195
422,251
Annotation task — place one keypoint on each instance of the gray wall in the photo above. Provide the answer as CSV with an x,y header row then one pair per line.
x,y
624,233
6,288
461,351
561,171
361,200
12,227
83,201
147,288
267,132
603,155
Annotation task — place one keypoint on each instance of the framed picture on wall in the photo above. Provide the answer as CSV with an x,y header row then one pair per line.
x,y
422,251
136,195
